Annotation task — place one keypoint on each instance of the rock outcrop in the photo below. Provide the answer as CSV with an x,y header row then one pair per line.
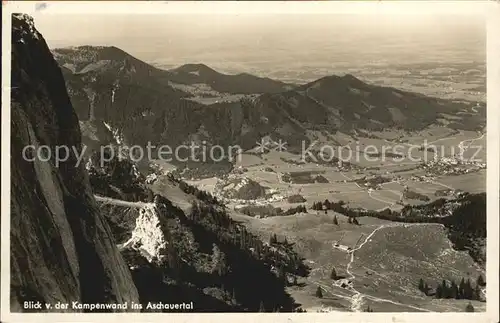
x,y
61,247
149,235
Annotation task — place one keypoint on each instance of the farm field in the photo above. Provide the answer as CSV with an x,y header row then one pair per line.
x,y
386,269
473,183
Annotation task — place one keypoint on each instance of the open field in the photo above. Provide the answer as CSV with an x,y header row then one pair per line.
x,y
391,256
390,265
386,268
473,183
269,168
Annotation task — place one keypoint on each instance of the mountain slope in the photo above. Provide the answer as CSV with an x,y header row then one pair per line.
x,y
346,103
61,247
236,84
182,246
131,97
142,103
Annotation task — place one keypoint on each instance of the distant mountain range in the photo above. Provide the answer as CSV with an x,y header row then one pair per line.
x,y
141,103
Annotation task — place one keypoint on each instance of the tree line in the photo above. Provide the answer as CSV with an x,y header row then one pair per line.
x,y
462,290
338,207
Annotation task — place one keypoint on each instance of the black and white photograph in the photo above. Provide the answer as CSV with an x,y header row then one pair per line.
x,y
261,158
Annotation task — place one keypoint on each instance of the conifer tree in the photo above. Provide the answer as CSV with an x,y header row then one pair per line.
x,y
468,291
478,293
421,285
439,291
444,289
282,275
319,292
461,289
469,308
480,281
453,290
333,274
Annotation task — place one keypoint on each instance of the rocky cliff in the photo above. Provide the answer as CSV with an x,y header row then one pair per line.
x,y
61,247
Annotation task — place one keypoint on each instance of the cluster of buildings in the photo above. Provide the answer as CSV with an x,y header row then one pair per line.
x,y
374,182
452,166
423,178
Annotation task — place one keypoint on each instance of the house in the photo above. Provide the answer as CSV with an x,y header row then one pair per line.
x,y
344,248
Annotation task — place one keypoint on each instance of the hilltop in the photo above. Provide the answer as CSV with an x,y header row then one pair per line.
x,y
242,83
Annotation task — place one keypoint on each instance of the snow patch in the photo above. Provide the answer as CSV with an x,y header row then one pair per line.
x,y
88,130
116,133
116,86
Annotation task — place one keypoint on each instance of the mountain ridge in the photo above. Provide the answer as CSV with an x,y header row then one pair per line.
x,y
168,105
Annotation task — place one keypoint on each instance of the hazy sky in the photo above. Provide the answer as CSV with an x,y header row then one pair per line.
x,y
413,32
67,29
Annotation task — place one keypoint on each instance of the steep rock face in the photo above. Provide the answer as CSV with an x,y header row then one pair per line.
x,y
61,248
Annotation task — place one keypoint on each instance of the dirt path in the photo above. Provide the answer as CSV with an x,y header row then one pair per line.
x,y
112,201
445,138
357,298
391,204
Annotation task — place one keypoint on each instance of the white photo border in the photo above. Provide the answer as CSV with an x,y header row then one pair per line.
x,y
491,10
